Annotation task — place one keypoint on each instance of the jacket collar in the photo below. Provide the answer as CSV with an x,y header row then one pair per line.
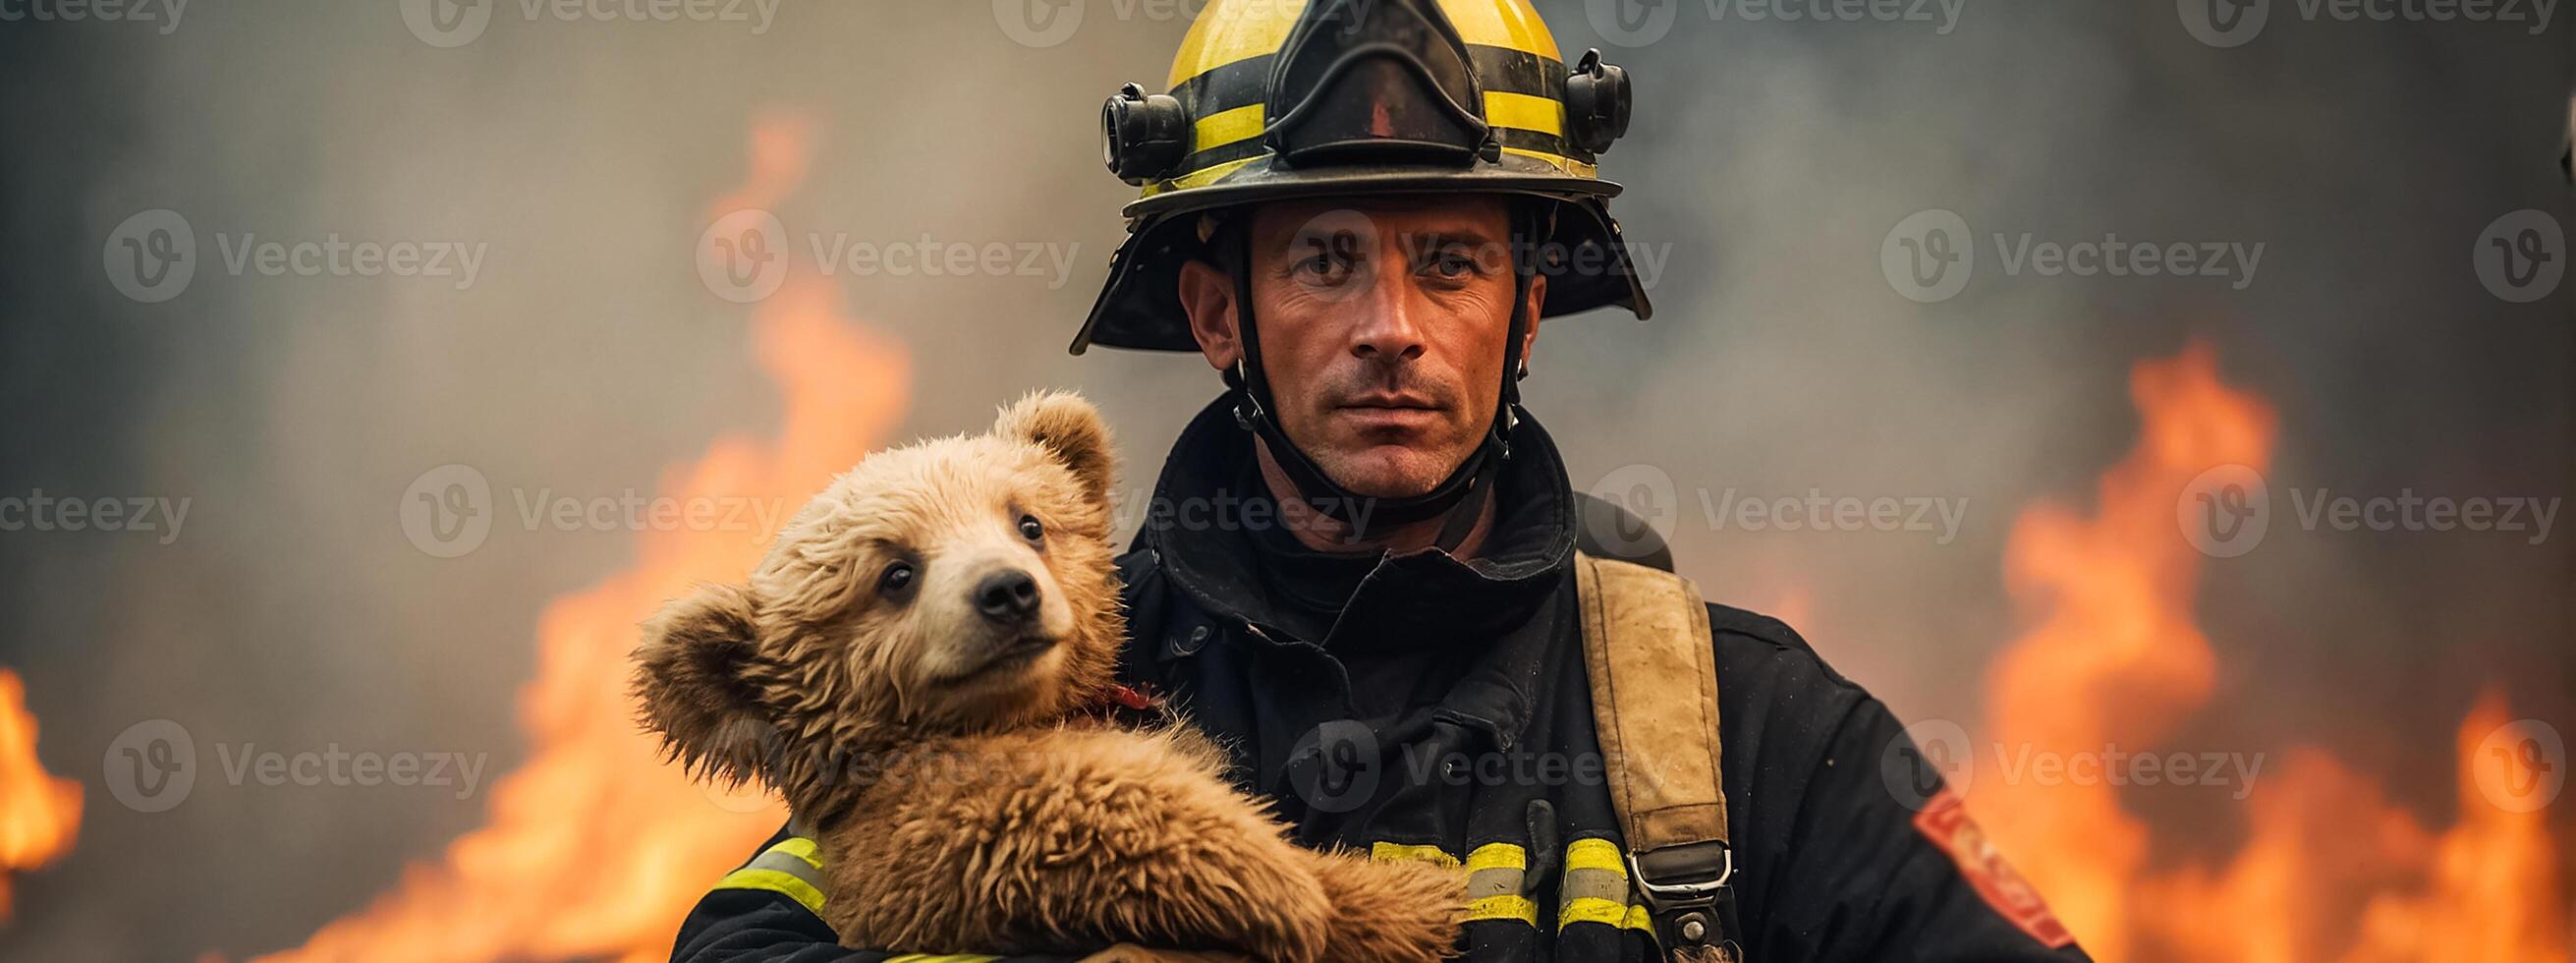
x,y
1498,596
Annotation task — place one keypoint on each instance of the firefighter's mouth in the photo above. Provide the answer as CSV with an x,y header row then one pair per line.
x,y
1391,399
1391,409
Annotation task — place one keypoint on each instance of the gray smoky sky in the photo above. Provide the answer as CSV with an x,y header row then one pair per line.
x,y
576,161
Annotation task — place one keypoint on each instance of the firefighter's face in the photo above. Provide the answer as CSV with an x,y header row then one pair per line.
x,y
1382,325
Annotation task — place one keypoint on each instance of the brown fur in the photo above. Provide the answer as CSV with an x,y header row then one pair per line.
x,y
967,805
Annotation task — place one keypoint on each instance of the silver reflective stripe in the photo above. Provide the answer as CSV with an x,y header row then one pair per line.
x,y
1594,888
1602,884
796,856
792,868
1495,872
1494,881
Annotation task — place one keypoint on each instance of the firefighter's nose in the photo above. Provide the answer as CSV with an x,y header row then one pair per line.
x,y
1007,596
1389,328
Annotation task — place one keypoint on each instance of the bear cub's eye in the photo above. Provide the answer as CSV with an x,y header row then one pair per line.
x,y
897,581
1030,529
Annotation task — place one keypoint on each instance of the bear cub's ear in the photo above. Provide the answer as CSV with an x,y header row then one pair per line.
x,y
1069,426
689,674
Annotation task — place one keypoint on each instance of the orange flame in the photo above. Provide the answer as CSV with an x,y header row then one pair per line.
x,y
39,814
2330,869
595,848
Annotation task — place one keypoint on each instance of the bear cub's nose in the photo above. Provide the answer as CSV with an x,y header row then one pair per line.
x,y
1010,596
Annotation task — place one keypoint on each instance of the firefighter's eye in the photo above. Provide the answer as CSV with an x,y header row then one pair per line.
x,y
897,581
1324,261
1454,264
1030,529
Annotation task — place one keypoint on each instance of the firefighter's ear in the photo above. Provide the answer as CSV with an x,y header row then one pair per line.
x,y
1536,306
1072,430
690,676
1207,299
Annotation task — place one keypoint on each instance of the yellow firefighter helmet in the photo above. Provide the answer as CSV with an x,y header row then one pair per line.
x,y
1277,99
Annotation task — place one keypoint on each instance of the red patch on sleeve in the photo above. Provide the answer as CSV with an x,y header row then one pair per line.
x,y
1945,822
1130,698
1109,701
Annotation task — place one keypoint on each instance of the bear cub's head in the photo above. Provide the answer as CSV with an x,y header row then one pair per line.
x,y
953,586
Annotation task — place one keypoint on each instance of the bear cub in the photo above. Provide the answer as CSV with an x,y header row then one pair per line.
x,y
913,666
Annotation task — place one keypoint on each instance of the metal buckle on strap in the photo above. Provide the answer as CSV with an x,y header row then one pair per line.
x,y
1693,889
1684,889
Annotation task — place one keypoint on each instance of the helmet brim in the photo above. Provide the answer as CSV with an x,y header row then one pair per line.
x,y
1139,307
1258,182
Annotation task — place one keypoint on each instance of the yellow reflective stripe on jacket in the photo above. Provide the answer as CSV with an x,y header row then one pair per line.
x,y
941,958
1591,909
801,848
1595,887
776,882
1513,907
1495,874
793,867
1596,854
1392,852
1639,919
1498,856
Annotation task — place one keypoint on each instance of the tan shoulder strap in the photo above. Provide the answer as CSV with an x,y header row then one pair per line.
x,y
1653,671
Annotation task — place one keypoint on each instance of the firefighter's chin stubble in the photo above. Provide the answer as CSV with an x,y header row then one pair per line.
x,y
1382,331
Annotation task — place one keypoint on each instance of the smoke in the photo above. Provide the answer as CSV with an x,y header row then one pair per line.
x,y
296,410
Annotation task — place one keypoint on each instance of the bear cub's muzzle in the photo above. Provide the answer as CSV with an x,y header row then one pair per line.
x,y
1009,597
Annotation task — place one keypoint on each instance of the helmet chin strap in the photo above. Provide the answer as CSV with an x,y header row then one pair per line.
x,y
1461,497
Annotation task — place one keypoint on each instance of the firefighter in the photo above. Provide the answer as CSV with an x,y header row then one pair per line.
x,y
1361,572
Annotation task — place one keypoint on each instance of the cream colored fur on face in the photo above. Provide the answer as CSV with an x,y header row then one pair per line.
x,y
963,806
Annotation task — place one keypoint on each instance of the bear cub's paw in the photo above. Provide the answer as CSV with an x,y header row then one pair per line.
x,y
1398,911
